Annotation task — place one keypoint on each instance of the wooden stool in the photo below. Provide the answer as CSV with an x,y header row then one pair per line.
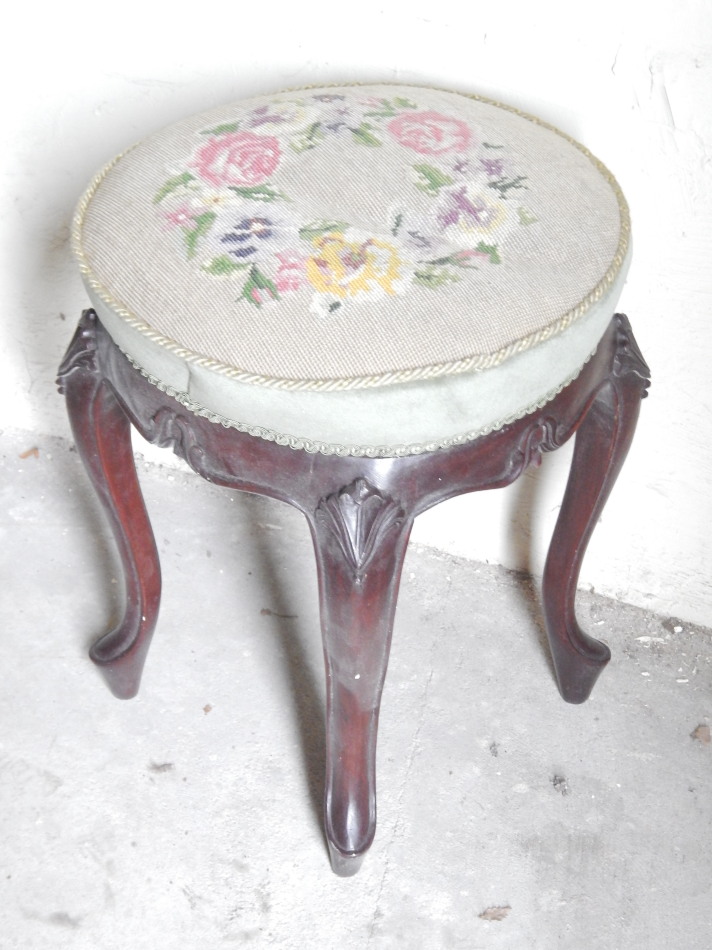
x,y
361,300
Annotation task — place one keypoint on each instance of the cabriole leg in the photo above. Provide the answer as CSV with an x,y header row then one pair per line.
x,y
360,538
602,443
103,437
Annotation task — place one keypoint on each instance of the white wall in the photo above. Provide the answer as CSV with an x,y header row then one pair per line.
x,y
632,80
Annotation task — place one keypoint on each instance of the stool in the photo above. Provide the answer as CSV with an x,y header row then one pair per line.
x,y
361,300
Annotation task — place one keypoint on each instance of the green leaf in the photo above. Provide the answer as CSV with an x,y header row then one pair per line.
x,y
503,185
431,179
397,224
491,251
258,192
363,135
387,111
223,266
463,259
488,145
319,228
172,184
309,138
263,282
256,282
457,259
202,224
435,277
222,129
526,217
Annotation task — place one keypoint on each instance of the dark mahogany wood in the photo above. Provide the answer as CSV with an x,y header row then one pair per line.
x,y
360,512
102,433
604,437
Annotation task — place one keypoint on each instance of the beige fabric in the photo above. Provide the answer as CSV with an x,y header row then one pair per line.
x,y
352,233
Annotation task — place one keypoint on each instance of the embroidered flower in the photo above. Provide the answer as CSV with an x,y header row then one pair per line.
x,y
493,167
341,268
430,133
417,234
468,213
280,116
208,198
249,238
181,217
462,166
291,273
239,158
336,119
457,203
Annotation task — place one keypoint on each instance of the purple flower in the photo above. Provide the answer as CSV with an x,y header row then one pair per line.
x,y
334,120
262,116
461,208
248,239
494,167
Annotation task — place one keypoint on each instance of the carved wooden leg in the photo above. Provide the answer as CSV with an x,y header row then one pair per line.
x,y
103,436
360,538
602,443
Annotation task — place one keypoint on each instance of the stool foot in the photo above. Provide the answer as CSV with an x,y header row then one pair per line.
x,y
122,675
602,442
103,437
344,865
360,537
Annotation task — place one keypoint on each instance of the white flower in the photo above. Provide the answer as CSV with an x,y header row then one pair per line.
x,y
207,198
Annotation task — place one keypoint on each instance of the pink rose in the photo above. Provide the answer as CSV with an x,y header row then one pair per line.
x,y
241,158
430,133
290,273
181,217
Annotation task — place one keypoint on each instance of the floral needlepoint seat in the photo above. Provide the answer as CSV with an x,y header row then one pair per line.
x,y
291,289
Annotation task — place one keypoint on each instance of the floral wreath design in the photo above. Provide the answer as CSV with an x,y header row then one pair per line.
x,y
236,222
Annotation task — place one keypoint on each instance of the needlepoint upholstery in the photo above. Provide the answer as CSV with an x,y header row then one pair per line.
x,y
366,270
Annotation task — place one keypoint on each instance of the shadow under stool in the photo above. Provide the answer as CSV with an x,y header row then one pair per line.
x,y
360,300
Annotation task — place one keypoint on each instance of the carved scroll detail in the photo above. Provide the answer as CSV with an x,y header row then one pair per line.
x,y
358,517
544,436
170,429
628,362
81,353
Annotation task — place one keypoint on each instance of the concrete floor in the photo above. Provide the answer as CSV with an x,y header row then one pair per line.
x,y
190,817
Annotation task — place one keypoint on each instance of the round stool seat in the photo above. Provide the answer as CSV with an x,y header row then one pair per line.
x,y
373,270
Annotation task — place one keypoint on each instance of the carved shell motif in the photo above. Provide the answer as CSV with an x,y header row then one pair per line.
x,y
358,517
81,353
629,361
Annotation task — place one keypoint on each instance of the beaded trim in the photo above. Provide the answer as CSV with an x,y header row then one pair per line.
x,y
314,446
433,371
